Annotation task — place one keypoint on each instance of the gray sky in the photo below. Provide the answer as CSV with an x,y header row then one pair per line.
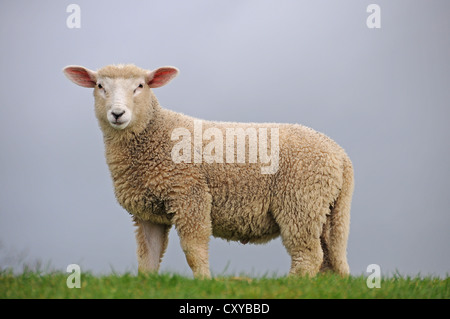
x,y
383,94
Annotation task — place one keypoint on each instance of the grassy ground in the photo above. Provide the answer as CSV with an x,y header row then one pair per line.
x,y
36,285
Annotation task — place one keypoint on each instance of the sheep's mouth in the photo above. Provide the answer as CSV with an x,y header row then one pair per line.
x,y
119,124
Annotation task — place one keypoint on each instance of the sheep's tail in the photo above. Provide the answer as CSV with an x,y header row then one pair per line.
x,y
336,228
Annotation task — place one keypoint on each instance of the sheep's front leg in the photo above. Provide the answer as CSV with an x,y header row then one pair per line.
x,y
196,252
193,224
152,242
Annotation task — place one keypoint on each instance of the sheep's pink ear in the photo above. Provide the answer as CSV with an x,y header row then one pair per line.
x,y
81,76
161,76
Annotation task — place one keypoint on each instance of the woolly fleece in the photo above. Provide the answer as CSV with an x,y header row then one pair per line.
x,y
306,202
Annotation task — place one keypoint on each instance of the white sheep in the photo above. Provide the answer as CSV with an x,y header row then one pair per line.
x,y
168,170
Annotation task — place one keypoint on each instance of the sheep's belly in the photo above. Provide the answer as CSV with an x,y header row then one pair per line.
x,y
244,225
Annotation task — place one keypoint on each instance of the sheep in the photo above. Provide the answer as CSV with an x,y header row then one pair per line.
x,y
168,170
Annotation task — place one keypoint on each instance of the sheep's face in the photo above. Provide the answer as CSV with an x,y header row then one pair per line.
x,y
122,93
117,99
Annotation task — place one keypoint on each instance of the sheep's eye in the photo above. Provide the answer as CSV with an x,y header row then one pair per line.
x,y
140,86
100,86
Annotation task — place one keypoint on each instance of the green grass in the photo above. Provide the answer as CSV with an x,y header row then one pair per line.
x,y
33,284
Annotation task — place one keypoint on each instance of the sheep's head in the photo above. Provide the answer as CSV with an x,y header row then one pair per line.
x,y
122,92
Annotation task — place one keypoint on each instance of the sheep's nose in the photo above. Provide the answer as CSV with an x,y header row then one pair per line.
x,y
117,114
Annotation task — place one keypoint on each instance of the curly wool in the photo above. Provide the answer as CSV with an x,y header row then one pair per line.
x,y
306,201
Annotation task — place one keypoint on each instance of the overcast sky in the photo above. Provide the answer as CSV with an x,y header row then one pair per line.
x,y
382,94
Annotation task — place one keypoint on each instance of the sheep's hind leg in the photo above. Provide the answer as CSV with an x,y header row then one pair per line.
x,y
152,242
306,257
300,234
